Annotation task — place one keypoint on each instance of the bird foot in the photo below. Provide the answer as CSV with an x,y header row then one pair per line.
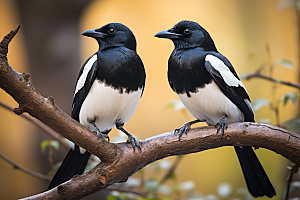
x,y
103,136
185,128
222,124
131,139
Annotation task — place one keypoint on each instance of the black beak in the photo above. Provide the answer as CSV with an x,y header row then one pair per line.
x,y
94,34
167,34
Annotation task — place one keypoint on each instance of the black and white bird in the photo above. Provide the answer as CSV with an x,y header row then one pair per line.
x,y
108,90
210,89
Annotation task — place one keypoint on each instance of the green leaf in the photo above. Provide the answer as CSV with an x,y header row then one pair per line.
x,y
54,144
112,197
259,103
44,145
293,96
293,125
285,63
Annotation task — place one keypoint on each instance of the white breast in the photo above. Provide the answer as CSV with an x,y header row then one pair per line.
x,y
107,105
210,104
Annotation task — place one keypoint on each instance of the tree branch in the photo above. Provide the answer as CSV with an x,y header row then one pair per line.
x,y
119,161
16,166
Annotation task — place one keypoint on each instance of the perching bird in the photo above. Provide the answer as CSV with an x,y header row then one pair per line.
x,y
108,90
210,89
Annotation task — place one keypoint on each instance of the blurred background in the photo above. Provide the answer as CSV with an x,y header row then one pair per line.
x,y
251,34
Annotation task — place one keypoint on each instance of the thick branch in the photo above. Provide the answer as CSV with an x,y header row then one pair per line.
x,y
118,160
243,134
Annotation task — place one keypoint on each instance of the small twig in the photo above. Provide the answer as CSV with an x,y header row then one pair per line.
x,y
16,166
259,75
171,170
6,40
41,125
293,170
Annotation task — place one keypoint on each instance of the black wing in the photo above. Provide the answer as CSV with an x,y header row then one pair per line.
x,y
81,94
237,94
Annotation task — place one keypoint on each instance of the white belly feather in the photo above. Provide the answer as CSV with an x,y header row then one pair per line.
x,y
210,104
107,105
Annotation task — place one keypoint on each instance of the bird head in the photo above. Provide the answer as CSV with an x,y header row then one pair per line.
x,y
188,34
113,35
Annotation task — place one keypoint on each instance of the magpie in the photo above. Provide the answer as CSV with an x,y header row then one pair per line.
x,y
108,90
211,90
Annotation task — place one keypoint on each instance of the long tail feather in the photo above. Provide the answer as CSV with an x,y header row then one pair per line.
x,y
256,178
74,163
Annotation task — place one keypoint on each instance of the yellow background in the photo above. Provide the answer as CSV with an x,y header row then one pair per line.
x,y
241,30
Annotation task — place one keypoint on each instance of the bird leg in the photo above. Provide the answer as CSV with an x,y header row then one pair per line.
x,y
186,127
222,124
131,139
99,133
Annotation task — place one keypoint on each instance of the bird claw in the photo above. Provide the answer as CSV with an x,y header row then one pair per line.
x,y
183,129
222,124
131,139
102,136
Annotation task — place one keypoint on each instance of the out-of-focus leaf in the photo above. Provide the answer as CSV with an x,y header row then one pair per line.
x,y
151,185
243,76
176,104
164,189
284,4
264,121
188,185
259,103
224,190
165,164
112,197
44,145
133,182
54,144
285,63
245,192
211,197
293,125
293,96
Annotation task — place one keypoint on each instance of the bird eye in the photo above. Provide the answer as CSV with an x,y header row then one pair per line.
x,y
186,31
111,31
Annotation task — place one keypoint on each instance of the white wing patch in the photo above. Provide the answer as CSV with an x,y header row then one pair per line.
x,y
86,68
225,72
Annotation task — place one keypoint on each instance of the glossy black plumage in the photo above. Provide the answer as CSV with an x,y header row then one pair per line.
x,y
209,87
108,89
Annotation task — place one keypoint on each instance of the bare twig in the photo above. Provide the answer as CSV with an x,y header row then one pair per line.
x,y
171,170
41,125
16,166
259,75
293,170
